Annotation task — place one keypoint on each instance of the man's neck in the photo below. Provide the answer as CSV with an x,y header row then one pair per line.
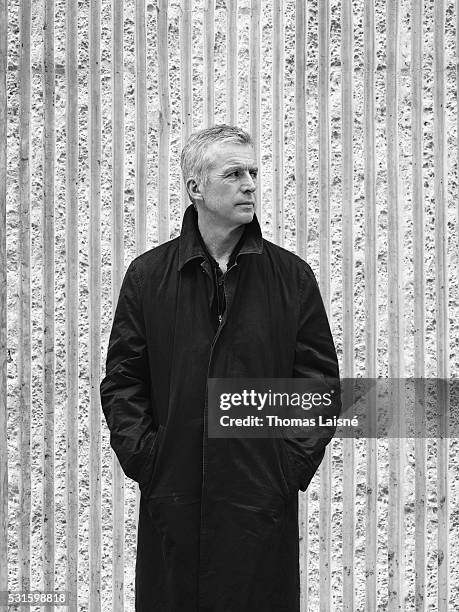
x,y
220,242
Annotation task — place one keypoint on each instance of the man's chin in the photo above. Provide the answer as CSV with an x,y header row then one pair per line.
x,y
245,213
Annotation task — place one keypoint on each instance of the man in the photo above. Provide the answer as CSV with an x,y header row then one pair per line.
x,y
218,523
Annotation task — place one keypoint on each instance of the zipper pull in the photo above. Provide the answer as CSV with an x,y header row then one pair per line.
x,y
219,318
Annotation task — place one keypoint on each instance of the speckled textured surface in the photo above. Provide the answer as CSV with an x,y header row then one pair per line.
x,y
336,307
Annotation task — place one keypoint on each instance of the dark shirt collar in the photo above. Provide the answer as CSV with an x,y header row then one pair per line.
x,y
191,245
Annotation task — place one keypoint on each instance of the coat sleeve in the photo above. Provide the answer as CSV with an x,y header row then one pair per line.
x,y
125,390
315,357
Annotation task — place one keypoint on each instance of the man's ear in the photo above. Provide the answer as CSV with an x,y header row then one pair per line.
x,y
193,189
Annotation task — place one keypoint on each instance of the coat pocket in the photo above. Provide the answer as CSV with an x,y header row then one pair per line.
x,y
290,474
147,475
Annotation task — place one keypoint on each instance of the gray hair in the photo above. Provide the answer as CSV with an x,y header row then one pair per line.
x,y
194,161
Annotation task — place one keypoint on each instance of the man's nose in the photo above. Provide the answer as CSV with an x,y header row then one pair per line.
x,y
248,183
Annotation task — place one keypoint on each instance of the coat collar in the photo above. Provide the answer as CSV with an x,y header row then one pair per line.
x,y
190,246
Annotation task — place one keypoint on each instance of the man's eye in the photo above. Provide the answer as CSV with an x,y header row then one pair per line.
x,y
254,174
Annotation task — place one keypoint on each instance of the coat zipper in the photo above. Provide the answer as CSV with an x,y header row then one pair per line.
x,y
221,321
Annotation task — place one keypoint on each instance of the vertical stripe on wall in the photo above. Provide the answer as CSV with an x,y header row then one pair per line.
x,y
186,82
371,310
255,93
72,301
24,327
417,140
324,149
301,186
95,159
278,121
164,123
3,298
324,283
347,257
208,62
49,154
396,559
231,62
141,126
301,165
117,276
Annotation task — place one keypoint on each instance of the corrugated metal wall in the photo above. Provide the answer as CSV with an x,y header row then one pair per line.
x,y
353,109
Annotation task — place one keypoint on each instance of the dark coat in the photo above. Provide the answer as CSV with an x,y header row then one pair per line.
x,y
218,523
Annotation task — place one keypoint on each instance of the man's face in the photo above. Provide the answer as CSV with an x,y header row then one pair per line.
x,y
227,199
